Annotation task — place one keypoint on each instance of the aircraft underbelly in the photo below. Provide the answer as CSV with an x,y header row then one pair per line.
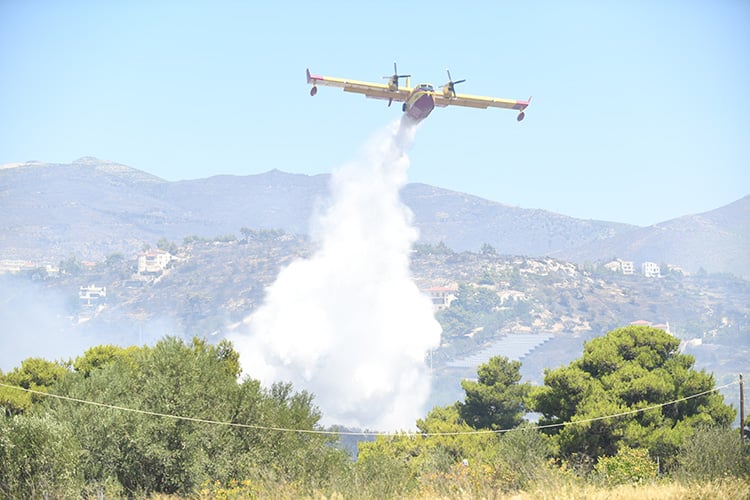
x,y
421,107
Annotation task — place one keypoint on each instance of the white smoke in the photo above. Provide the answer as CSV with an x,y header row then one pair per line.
x,y
348,323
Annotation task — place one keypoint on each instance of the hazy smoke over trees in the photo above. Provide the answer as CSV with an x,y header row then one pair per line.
x,y
348,323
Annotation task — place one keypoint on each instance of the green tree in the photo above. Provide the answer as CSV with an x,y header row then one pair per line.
x,y
488,249
429,249
147,453
39,458
36,374
444,442
191,240
382,469
71,266
99,356
225,238
473,307
476,299
523,454
629,369
448,456
165,245
496,400
457,442
246,233
114,259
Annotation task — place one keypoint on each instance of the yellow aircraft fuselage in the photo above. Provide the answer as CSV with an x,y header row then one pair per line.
x,y
420,103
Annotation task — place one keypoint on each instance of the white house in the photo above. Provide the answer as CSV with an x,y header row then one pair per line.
x,y
153,261
628,267
441,296
92,294
650,269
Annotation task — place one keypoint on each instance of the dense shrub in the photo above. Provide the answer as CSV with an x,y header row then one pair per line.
x,y
712,453
630,465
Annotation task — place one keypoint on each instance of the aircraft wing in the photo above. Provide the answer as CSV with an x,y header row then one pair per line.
x,y
373,90
475,101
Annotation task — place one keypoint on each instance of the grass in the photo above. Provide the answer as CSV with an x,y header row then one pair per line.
x,y
726,489
730,488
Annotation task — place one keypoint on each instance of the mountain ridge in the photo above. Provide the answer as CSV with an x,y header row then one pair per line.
x,y
93,208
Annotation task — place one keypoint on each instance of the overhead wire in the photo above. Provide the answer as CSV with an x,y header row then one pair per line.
x,y
358,433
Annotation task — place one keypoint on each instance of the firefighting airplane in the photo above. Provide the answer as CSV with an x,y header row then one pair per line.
x,y
420,100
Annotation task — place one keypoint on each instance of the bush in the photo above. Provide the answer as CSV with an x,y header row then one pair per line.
x,y
466,480
630,465
712,453
525,452
380,475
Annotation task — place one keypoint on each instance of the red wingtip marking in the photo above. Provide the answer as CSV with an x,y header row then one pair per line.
x,y
313,78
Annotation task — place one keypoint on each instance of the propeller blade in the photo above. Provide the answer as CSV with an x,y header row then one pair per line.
x,y
451,84
395,76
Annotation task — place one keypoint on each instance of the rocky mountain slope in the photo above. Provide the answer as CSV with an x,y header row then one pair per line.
x,y
718,240
92,208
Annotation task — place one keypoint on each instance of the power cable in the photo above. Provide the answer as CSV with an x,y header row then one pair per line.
x,y
357,433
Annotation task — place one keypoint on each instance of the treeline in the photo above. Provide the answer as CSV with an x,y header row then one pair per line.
x,y
176,419
66,448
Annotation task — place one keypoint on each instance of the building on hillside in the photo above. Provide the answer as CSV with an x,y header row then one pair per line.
x,y
153,262
640,322
441,296
16,265
676,270
660,326
619,265
613,266
92,295
651,270
628,267
511,295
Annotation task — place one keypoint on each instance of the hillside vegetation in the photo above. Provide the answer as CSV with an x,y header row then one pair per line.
x,y
213,285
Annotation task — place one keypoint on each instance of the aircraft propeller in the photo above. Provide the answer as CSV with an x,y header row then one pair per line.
x,y
451,84
395,77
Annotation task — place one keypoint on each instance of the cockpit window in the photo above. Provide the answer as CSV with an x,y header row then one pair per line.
x,y
426,86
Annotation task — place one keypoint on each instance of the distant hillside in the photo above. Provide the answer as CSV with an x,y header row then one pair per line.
x,y
465,222
212,286
92,208
718,240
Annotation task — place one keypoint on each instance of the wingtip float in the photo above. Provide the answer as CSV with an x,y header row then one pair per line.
x,y
419,101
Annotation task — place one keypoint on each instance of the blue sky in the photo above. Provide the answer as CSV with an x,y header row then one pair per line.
x,y
641,110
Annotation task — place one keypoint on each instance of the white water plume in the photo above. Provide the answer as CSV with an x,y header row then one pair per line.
x,y
348,323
